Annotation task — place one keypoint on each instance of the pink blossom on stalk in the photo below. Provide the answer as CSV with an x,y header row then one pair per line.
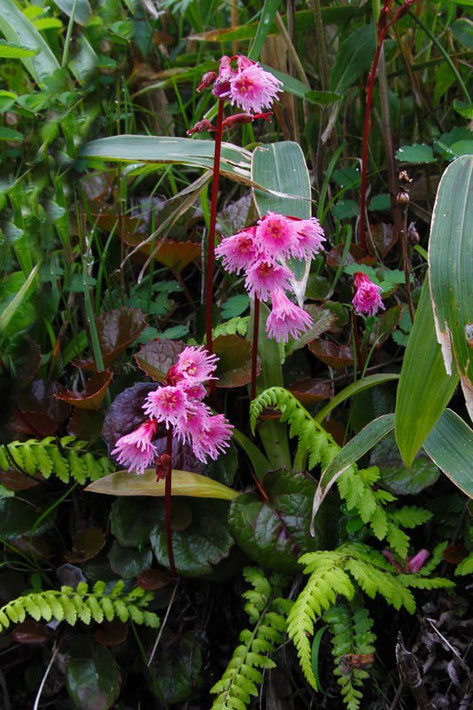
x,y
286,318
195,364
212,439
237,251
415,563
167,404
367,299
252,88
311,236
135,450
276,235
265,276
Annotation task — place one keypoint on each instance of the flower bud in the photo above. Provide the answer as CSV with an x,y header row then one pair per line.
x,y
207,80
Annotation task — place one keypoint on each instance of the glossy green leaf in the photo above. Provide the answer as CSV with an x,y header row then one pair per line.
x,y
354,57
18,29
350,453
353,389
416,153
79,8
450,261
92,675
450,446
281,167
184,483
132,520
275,532
129,562
462,30
202,543
424,388
8,50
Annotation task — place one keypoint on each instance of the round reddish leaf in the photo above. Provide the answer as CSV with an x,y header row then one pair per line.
x,y
93,395
175,255
116,331
310,390
111,633
30,631
337,356
234,365
86,545
156,357
154,579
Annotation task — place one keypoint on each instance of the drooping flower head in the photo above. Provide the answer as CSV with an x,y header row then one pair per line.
x,y
135,450
212,439
195,364
265,276
310,237
167,404
286,318
252,88
367,299
238,251
276,235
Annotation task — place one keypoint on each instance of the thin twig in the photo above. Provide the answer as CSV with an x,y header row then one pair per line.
x,y
158,638
46,673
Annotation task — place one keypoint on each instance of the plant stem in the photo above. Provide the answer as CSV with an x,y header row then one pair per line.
x,y
213,221
407,264
168,502
254,351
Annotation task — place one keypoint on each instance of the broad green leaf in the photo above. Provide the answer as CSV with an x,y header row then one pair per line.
x,y
203,542
424,388
416,153
235,162
184,483
17,29
281,167
450,446
83,64
177,669
353,389
450,261
275,532
268,13
79,8
462,30
9,134
132,520
350,453
92,675
463,108
354,57
303,21
129,562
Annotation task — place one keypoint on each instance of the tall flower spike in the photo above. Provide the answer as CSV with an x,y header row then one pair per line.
x,y
135,450
367,299
265,276
238,251
276,235
286,319
252,88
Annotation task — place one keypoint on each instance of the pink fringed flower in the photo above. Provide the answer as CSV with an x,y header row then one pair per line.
x,y
212,439
168,404
367,299
237,251
265,276
286,318
195,364
252,88
135,450
222,83
276,235
310,237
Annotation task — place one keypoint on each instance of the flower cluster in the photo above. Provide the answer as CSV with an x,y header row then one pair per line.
x,y
248,86
261,252
178,404
367,299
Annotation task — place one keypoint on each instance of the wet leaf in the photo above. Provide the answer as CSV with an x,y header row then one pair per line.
x,y
154,579
333,355
275,533
204,543
18,518
156,357
92,676
30,632
381,239
129,562
311,390
92,397
133,520
39,412
116,331
322,320
177,668
86,545
234,365
395,476
175,255
85,425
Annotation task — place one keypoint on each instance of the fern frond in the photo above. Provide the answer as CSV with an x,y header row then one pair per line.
x,y
62,457
81,604
235,326
268,612
351,629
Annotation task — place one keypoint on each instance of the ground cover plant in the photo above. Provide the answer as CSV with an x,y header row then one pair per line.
x,y
235,331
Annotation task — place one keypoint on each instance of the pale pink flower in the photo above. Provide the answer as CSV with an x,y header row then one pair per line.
x,y
276,235
367,299
135,450
286,318
310,237
194,390
417,561
195,364
212,439
168,404
265,276
238,251
195,421
222,83
252,88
